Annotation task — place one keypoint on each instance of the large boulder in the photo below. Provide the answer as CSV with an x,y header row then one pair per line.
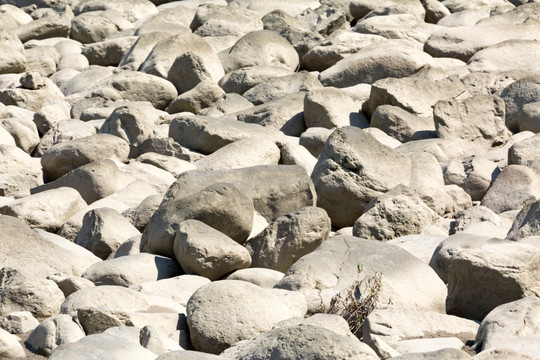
x,y
241,80
204,251
289,238
329,108
132,10
213,306
261,47
526,223
352,169
301,341
522,91
133,123
63,157
131,270
275,190
333,268
398,212
220,205
53,332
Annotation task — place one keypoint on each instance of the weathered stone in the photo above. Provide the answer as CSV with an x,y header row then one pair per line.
x,y
332,269
401,124
396,26
346,178
289,238
210,307
197,99
103,231
133,123
95,26
516,95
19,322
241,80
46,27
526,223
216,20
331,108
221,206
204,251
23,131
108,52
473,174
179,288
398,212
10,346
53,332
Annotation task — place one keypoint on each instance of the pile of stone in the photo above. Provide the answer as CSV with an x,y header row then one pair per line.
x,y
203,179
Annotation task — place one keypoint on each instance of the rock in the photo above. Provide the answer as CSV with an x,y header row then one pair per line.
x,y
204,251
289,238
265,278
63,157
487,112
133,123
261,47
108,52
307,341
313,139
13,58
31,99
206,135
242,153
329,108
392,325
401,124
53,332
475,214
103,231
167,52
164,146
70,284
85,80
220,206
135,86
501,354
361,8
157,178
346,178
50,114
392,92
324,273
196,100
10,346
132,10
207,318
51,26
507,321
281,86
241,80
130,270
216,20
19,322
516,95
275,190
47,210
179,288
522,50
473,174
442,354
508,266
46,257
524,189
103,346
528,118
523,152
23,131
395,213
285,114
396,26
20,291
526,223
168,163
93,181
294,154
95,26
153,340
375,62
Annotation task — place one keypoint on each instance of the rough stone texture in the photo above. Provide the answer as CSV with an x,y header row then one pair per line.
x,y
109,52
179,288
265,278
477,119
47,210
19,322
130,270
524,152
353,169
516,95
211,308
398,212
329,108
221,206
526,223
473,174
103,231
10,346
301,342
402,125
63,157
275,190
133,123
204,251
241,80
515,187
332,268
53,332
289,238
507,321
197,99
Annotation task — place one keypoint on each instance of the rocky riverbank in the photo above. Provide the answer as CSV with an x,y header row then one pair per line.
x,y
243,179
